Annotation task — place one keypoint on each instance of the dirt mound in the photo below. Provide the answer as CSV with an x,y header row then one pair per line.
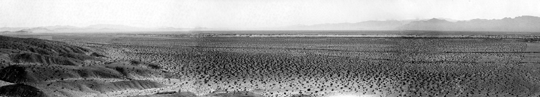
x,y
235,94
14,73
39,73
38,68
45,59
173,94
134,63
126,85
96,86
29,50
20,90
40,46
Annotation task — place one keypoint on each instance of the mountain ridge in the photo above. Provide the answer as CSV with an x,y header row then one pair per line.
x,y
517,24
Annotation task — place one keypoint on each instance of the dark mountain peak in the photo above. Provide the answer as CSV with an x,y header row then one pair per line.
x,y
436,20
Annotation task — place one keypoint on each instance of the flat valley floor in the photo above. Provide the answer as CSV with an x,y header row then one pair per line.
x,y
302,66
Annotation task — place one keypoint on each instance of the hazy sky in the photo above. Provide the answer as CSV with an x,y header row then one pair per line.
x,y
249,13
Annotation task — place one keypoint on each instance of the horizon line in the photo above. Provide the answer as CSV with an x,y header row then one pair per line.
x,y
239,28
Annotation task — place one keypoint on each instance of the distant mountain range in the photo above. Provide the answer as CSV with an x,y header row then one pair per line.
x,y
517,24
91,28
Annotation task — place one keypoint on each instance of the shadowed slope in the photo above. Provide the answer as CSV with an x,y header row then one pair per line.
x,y
14,73
39,46
37,68
28,50
175,94
74,87
20,90
39,73
45,59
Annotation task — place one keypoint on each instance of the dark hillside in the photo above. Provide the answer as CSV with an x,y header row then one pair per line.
x,y
20,90
45,68
29,50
